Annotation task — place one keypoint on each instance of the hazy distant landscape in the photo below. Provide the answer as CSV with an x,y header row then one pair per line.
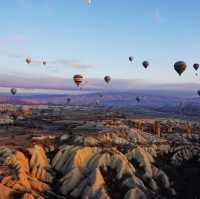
x,y
184,104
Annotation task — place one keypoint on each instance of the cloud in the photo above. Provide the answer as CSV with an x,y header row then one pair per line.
x,y
72,63
13,39
10,41
61,83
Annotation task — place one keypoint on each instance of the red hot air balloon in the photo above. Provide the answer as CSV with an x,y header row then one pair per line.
x,y
78,79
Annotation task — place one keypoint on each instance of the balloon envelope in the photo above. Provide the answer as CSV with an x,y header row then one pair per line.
x,y
180,67
145,64
196,66
138,99
107,79
13,91
28,60
130,59
68,100
78,79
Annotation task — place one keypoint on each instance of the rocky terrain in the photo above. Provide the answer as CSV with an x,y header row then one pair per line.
x,y
92,154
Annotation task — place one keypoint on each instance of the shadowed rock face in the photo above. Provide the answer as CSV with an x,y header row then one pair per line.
x,y
110,159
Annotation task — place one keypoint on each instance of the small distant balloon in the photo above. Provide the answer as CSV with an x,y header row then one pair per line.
x,y
196,66
78,79
28,60
13,91
89,2
145,64
97,102
137,99
100,95
107,79
68,100
180,67
130,59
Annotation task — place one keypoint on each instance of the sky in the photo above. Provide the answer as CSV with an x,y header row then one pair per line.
x,y
97,40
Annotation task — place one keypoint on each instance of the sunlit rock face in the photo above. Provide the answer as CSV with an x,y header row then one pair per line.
x,y
117,161
126,156
24,172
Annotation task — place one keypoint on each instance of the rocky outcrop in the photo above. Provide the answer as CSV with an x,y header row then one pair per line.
x,y
24,172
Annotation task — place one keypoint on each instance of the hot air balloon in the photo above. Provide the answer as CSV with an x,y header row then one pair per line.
x,y
89,2
44,63
198,92
180,67
28,60
100,95
68,100
196,66
107,79
130,59
145,64
13,91
137,99
78,79
97,102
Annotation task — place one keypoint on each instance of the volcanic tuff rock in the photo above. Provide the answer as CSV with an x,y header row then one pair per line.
x,y
94,164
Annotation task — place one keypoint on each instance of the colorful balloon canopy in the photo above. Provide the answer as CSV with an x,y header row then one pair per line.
x,y
78,79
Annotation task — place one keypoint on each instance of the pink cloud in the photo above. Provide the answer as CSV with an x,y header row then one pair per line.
x,y
13,39
73,63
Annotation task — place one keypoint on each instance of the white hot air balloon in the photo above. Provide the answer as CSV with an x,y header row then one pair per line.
x,y
89,2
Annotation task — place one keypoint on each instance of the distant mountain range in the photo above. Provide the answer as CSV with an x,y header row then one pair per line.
x,y
169,102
